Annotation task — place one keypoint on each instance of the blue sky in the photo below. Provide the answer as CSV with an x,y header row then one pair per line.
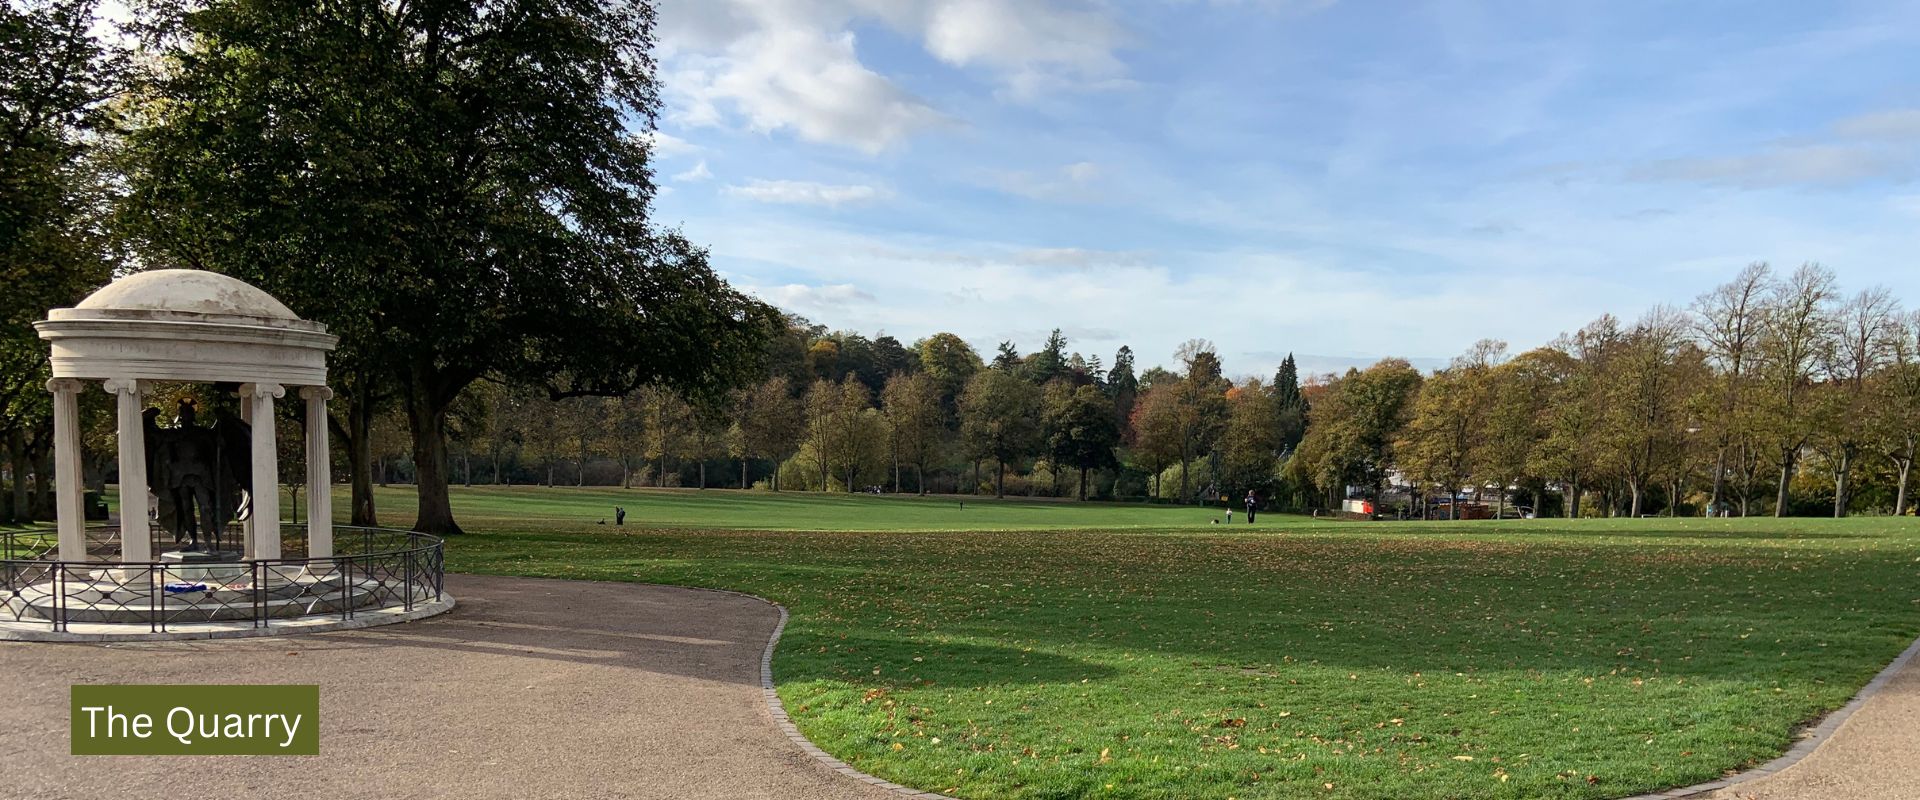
x,y
1344,180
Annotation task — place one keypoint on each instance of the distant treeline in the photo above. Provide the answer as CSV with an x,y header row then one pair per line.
x,y
1772,394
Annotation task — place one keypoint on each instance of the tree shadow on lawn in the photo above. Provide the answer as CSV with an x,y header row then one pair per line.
x,y
875,662
1683,533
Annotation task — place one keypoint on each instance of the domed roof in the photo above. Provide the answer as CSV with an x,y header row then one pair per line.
x,y
186,291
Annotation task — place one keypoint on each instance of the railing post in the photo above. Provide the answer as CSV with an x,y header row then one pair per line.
x,y
154,590
259,575
160,607
59,596
346,588
408,560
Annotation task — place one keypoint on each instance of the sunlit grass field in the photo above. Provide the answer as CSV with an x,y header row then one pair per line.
x,y
1051,649
793,511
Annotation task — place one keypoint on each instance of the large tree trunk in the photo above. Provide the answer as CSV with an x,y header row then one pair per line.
x,y
360,463
896,473
703,473
1000,479
626,472
1573,500
496,468
1083,484
1184,494
920,479
1786,477
1900,495
743,473
427,416
1633,490
976,477
466,469
1719,480
1840,483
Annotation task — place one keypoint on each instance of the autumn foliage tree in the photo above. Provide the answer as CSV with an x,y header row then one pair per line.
x,y
1000,420
767,424
912,407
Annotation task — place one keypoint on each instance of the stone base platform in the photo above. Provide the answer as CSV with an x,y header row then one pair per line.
x,y
41,631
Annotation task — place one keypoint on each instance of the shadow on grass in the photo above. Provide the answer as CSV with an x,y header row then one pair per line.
x,y
902,663
1682,533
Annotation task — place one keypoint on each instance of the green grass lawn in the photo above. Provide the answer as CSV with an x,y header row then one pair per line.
x,y
790,511
1115,651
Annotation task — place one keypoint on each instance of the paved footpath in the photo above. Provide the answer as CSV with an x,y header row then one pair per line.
x,y
1873,755
529,688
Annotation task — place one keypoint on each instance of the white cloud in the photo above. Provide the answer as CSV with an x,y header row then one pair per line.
x,y
1036,45
667,145
988,291
1077,258
1073,182
794,65
805,80
806,299
1814,164
699,172
806,193
1895,125
1875,146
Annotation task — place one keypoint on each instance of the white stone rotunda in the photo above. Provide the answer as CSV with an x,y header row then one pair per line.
x,y
189,326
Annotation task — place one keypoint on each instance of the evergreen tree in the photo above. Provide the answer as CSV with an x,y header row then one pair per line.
x,y
1051,361
1121,377
1008,360
1289,405
1124,387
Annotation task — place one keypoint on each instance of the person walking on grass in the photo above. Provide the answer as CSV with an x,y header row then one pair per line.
x,y
1253,505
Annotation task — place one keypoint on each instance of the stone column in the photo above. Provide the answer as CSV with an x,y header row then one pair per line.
x,y
266,469
136,539
319,474
67,486
246,526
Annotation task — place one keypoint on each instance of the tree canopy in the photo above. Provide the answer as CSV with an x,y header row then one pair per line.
x,y
455,189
